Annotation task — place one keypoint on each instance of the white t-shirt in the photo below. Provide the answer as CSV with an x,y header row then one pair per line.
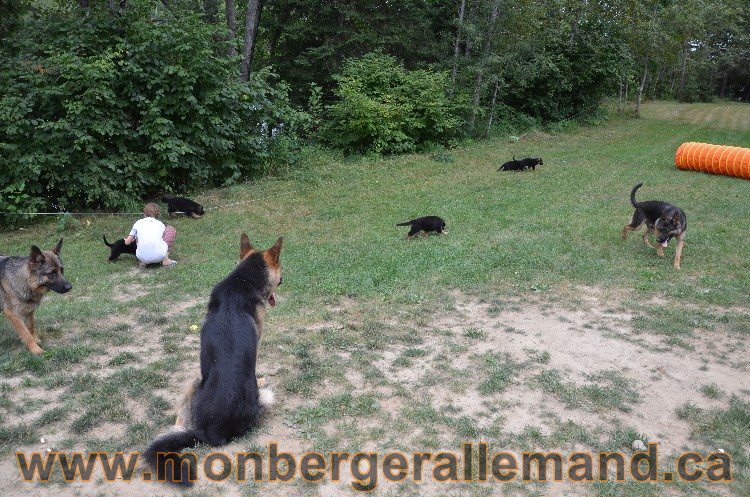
x,y
151,246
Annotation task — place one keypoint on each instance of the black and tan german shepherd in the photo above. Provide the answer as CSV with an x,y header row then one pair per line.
x,y
662,219
23,283
224,402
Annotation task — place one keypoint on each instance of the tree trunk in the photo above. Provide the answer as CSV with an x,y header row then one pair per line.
x,y
492,108
682,73
574,28
485,54
723,86
231,27
254,8
627,90
640,90
457,43
620,104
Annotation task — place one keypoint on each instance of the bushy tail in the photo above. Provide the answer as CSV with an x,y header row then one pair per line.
x,y
169,466
105,241
632,194
407,223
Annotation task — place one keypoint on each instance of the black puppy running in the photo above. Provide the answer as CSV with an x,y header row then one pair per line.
x,y
662,219
184,206
520,165
118,248
426,224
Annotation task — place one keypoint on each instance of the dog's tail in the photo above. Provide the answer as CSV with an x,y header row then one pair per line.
x,y
407,223
106,242
632,194
166,449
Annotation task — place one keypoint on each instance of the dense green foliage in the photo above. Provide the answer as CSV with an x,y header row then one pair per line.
x,y
100,111
105,103
382,107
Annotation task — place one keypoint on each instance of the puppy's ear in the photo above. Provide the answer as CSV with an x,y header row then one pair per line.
x,y
36,255
58,247
275,251
246,248
676,217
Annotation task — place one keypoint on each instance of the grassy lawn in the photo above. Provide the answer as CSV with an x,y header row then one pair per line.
x,y
529,325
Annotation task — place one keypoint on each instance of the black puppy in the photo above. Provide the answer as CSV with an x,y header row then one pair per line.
x,y
511,165
531,162
184,206
520,165
118,248
426,224
662,219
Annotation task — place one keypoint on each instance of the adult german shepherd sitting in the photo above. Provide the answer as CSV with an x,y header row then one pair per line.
x,y
224,402
23,283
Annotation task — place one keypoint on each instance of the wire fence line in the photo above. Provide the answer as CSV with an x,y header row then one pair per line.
x,y
64,213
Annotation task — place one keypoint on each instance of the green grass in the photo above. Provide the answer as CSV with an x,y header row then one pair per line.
x,y
356,292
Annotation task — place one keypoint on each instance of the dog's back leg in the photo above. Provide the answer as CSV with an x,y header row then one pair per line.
x,y
635,224
413,231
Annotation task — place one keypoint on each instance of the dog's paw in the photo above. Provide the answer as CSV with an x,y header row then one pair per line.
x,y
262,382
266,397
35,349
677,266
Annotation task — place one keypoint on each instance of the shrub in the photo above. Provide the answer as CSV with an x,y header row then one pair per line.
x,y
100,110
383,108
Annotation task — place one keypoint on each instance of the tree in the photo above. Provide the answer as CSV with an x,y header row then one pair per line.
x,y
252,20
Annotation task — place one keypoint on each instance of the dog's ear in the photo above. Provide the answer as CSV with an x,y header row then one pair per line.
x,y
58,247
36,255
676,217
275,251
246,248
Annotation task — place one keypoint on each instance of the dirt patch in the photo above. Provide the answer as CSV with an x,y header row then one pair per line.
x,y
444,368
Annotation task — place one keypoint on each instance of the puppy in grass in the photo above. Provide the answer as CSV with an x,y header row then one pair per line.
x,y
225,401
425,225
662,219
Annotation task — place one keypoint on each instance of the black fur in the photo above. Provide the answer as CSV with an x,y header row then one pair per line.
x,y
184,206
427,224
226,402
520,165
118,248
666,219
662,219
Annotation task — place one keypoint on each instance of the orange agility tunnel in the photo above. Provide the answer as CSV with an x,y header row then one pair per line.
x,y
716,159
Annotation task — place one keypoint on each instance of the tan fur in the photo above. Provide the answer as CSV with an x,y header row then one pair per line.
x,y
678,251
21,290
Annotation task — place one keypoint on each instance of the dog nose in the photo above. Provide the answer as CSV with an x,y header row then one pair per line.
x,y
67,287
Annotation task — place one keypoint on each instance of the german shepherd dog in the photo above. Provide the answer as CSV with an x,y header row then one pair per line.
x,y
664,220
521,165
23,283
184,206
224,402
118,248
426,224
